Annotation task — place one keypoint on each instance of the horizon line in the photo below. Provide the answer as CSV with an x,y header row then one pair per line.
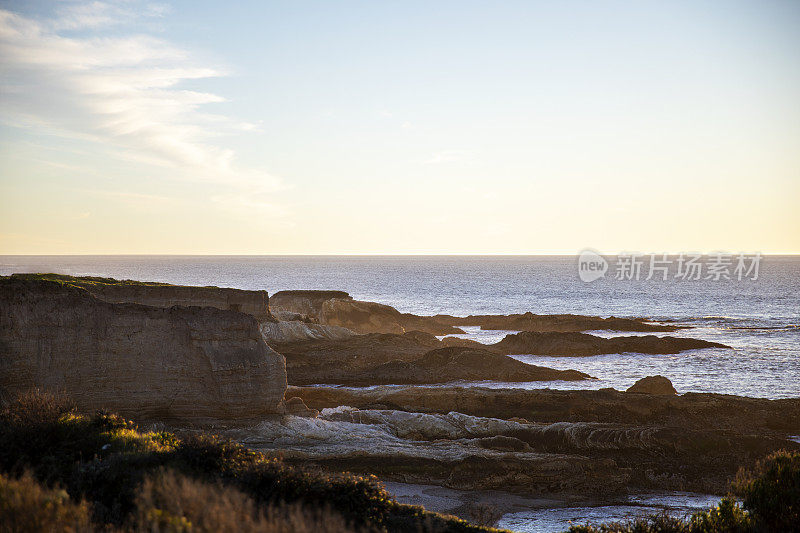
x,y
763,254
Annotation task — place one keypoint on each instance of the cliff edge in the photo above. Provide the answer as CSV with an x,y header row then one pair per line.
x,y
191,363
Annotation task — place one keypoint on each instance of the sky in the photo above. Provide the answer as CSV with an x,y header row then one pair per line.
x,y
399,127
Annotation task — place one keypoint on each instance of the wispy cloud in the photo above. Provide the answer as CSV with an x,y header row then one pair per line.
x,y
126,91
82,15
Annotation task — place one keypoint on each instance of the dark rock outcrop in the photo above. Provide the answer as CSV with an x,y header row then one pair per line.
x,y
583,344
411,358
653,385
444,365
187,363
564,323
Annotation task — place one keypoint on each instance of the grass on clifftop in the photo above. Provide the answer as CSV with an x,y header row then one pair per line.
x,y
88,281
63,471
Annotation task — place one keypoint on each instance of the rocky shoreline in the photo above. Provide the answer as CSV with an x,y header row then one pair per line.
x,y
243,364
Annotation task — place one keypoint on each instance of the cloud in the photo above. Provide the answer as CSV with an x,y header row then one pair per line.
x,y
126,92
82,15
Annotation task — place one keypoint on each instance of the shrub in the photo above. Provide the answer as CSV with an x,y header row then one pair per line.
x,y
27,507
169,502
105,460
727,517
660,523
360,499
771,491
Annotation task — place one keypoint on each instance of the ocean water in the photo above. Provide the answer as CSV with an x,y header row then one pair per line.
x,y
759,319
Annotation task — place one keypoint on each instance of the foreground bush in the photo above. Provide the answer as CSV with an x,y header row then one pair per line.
x,y
169,502
154,481
27,507
771,491
771,503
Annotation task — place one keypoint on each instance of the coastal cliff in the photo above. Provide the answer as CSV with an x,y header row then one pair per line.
x,y
188,363
337,308
255,303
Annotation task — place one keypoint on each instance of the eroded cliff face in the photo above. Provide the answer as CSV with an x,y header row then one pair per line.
x,y
255,303
337,308
195,364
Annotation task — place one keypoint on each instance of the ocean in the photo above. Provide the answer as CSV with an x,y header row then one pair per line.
x,y
759,318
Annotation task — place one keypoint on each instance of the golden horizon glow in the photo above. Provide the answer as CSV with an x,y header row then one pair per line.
x,y
520,128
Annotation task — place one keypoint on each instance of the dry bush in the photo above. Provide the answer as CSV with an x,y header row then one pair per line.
x,y
36,407
26,506
485,514
169,502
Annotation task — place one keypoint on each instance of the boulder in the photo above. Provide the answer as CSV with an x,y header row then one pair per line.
x,y
193,364
653,385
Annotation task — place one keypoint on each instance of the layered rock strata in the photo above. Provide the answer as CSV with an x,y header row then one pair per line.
x,y
189,363
692,442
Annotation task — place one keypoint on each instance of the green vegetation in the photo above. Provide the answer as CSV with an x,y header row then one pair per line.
x,y
770,496
84,281
100,472
93,281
